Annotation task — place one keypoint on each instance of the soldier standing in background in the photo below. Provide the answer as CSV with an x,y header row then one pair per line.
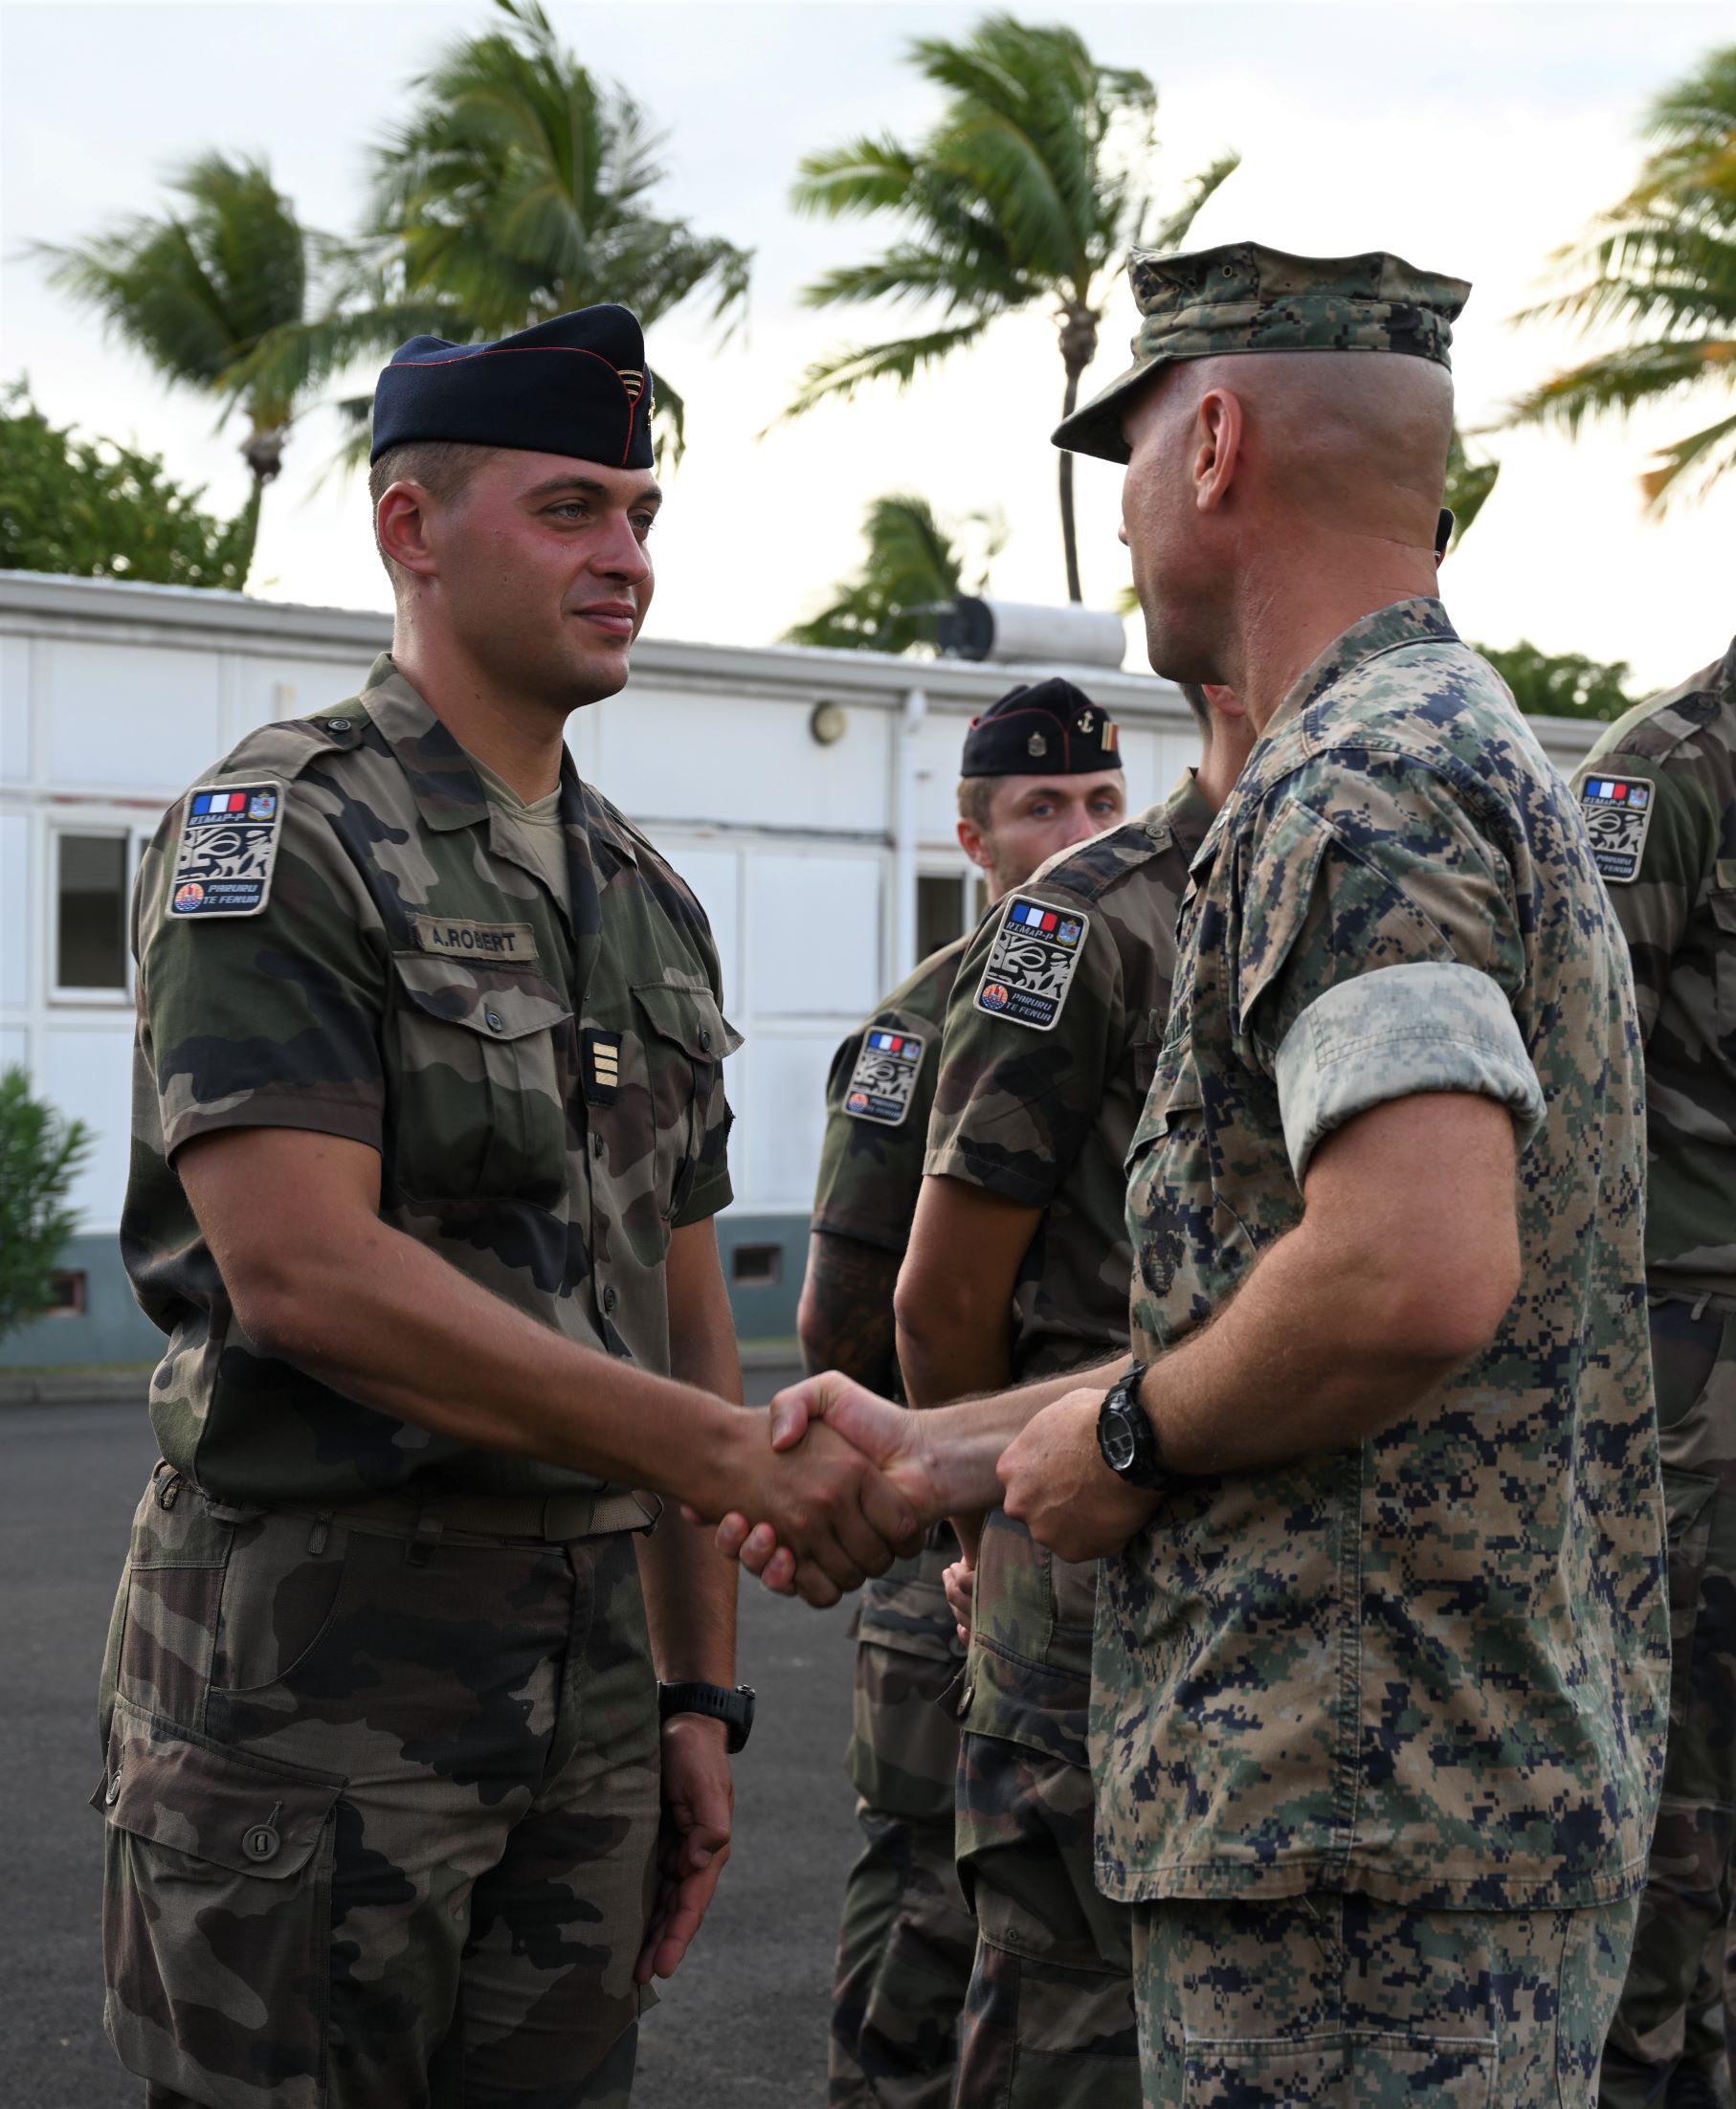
x,y
1658,793
1019,1268
907,1939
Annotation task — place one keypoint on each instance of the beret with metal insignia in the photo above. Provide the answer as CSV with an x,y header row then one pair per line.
x,y
1247,298
1049,728
577,384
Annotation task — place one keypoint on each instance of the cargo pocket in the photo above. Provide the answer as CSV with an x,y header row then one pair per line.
x,y
485,1066
1357,2066
216,1917
686,1040
1687,1502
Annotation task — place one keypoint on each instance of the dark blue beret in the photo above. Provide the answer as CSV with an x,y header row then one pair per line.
x,y
1050,728
577,386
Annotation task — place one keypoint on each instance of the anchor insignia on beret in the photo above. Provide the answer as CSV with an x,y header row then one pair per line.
x,y
1085,721
1036,746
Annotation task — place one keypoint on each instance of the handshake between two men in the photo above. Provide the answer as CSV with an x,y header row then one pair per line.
x,y
824,1525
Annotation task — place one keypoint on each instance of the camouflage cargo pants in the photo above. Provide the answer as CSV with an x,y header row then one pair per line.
x,y
1342,2002
381,1813
1049,2020
1688,1885
907,1937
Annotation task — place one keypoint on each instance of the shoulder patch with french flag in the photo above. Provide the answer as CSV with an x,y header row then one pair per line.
x,y
229,843
884,1082
1618,813
1035,957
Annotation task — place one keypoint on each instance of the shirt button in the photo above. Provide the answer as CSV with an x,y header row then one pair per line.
x,y
705,1037
111,1794
260,1842
337,724
492,1019
608,1300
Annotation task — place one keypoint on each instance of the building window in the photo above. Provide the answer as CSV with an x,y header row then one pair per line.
x,y
90,913
940,912
66,1293
756,1266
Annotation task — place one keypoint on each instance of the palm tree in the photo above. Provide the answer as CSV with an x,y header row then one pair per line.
x,y
910,565
1028,188
1469,484
1663,261
200,291
517,189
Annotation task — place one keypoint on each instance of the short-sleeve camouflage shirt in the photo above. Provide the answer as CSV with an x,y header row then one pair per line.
x,y
543,1080
1658,791
1432,1666
871,1161
1042,1114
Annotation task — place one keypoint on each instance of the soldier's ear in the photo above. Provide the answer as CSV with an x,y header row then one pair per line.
x,y
401,526
974,842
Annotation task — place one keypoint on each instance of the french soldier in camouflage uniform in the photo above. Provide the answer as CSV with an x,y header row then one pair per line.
x,y
1658,794
430,1129
1052,1038
909,1937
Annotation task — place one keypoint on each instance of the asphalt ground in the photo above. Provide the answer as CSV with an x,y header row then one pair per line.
x,y
744,2021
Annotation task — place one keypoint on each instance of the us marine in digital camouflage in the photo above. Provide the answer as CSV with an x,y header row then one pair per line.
x,y
905,1950
430,1132
1658,793
1379,1690
1019,1267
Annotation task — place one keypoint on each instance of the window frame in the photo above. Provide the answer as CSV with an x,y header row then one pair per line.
x,y
108,827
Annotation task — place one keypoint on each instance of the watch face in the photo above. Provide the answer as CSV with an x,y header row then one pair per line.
x,y
1117,1439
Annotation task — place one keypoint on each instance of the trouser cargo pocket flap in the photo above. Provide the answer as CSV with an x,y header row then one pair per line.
x,y
216,1917
220,1806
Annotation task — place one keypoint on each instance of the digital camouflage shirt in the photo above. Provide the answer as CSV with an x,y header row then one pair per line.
x,y
1432,1666
1658,793
879,1095
543,1082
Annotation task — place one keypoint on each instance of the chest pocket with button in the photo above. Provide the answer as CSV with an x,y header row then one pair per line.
x,y
478,1083
648,1119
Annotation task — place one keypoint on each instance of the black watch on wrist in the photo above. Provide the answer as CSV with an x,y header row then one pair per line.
x,y
1125,1436
717,1701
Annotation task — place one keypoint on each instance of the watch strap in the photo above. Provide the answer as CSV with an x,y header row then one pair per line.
x,y
734,1708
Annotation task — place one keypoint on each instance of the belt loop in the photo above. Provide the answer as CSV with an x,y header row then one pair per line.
x,y
167,1489
321,1531
430,1523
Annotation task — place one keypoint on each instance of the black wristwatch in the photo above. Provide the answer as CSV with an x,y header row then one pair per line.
x,y
717,1701
1126,1435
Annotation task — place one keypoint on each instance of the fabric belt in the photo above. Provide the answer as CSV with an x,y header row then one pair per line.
x,y
488,1519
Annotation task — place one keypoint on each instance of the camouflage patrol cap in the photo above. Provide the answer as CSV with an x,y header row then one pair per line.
x,y
1247,298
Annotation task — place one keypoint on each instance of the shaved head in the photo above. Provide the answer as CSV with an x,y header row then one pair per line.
x,y
1262,482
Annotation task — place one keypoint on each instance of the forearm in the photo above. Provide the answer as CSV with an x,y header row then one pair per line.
x,y
690,1593
1291,1365
845,1319
385,1321
962,1443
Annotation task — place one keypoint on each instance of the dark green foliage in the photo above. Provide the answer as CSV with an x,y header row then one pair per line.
x,y
39,1153
94,509
1559,684
910,563
1662,263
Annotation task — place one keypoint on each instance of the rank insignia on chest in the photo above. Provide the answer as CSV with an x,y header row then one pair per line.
x,y
228,846
884,1082
1035,955
1618,812
602,1063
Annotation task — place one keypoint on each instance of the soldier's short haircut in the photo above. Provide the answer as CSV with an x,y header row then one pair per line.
x,y
1195,696
442,467
975,796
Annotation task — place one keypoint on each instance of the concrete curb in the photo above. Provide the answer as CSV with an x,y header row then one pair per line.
x,y
75,1387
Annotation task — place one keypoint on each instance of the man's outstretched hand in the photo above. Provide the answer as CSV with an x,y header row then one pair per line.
x,y
1058,1483
817,1413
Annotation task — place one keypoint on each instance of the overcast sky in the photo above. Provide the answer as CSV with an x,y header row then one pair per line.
x,y
1470,139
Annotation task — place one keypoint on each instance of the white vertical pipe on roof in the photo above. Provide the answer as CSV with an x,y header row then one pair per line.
x,y
903,835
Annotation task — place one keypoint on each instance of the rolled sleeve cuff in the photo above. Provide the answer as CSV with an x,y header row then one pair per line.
x,y
1392,1035
978,1167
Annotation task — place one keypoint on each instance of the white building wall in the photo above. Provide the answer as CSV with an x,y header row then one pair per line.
x,y
114,698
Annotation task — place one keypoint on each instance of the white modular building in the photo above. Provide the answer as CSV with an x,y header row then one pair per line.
x,y
808,798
